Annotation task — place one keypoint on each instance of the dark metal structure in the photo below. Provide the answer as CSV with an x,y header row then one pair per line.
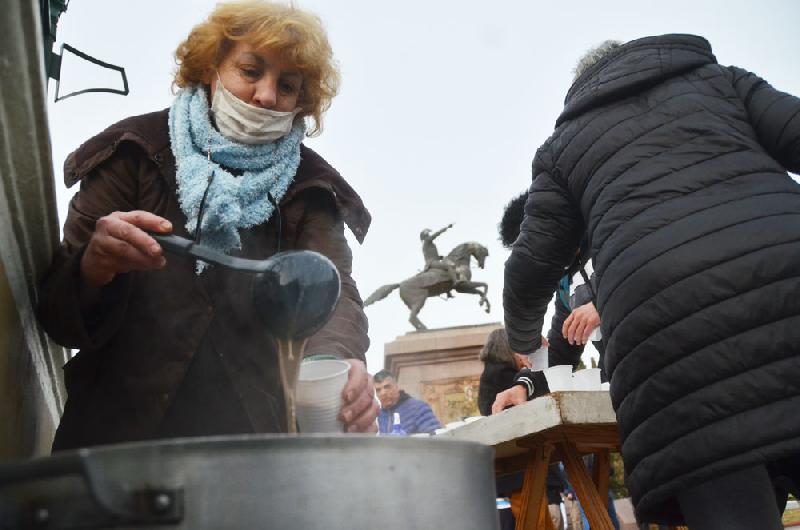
x,y
50,11
259,481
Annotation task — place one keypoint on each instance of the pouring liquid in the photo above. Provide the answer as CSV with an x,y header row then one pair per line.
x,y
290,355
284,311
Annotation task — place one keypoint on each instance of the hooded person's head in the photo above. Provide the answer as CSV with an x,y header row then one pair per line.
x,y
510,223
513,214
593,55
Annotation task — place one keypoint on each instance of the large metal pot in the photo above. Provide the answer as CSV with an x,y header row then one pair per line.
x,y
256,482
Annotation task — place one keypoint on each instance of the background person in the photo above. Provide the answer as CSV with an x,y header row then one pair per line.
x,y
675,168
500,365
416,416
569,332
168,347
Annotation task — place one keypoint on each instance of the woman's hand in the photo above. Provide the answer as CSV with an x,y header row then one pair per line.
x,y
580,324
359,408
514,396
120,244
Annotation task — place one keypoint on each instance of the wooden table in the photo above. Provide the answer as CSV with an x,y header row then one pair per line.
x,y
562,426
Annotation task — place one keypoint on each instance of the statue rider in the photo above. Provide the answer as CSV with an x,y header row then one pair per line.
x,y
431,254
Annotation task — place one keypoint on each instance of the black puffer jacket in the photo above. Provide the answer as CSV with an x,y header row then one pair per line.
x,y
675,167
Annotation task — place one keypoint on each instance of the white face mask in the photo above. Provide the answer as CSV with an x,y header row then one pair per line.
x,y
245,123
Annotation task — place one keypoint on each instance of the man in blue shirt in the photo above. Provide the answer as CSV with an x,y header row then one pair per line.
x,y
416,416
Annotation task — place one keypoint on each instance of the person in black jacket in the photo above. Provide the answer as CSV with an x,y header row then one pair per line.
x,y
675,169
573,322
561,350
569,332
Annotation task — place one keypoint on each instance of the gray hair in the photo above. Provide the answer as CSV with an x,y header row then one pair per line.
x,y
497,348
593,55
382,376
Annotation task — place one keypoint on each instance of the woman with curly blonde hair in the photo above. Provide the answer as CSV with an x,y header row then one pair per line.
x,y
170,347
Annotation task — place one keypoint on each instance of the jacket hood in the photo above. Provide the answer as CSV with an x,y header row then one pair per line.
x,y
633,67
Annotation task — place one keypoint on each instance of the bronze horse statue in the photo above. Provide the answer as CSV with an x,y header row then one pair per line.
x,y
436,281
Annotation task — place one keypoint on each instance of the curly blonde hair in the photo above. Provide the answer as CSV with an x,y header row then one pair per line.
x,y
297,35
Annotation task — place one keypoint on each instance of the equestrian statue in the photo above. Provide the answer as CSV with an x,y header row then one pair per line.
x,y
441,276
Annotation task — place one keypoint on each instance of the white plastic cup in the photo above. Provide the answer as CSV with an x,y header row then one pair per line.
x,y
319,395
538,359
559,377
586,380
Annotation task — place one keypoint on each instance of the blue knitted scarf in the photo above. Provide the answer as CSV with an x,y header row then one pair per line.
x,y
233,202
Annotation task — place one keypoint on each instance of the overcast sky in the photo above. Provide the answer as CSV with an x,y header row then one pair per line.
x,y
442,106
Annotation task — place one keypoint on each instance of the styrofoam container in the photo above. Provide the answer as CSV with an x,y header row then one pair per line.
x,y
319,395
587,379
559,377
538,359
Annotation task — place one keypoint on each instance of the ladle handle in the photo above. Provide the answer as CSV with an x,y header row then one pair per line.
x,y
173,244
182,246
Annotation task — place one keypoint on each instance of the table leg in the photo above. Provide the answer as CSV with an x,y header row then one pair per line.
x,y
596,507
601,472
533,488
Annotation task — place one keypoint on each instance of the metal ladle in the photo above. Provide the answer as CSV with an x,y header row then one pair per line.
x,y
294,294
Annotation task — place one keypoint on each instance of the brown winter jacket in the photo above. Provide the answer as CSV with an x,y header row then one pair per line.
x,y
135,351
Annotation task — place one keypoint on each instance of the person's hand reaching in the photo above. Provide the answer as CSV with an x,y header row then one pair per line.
x,y
515,395
359,408
580,323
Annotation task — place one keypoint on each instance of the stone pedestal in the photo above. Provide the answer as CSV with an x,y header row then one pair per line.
x,y
441,367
